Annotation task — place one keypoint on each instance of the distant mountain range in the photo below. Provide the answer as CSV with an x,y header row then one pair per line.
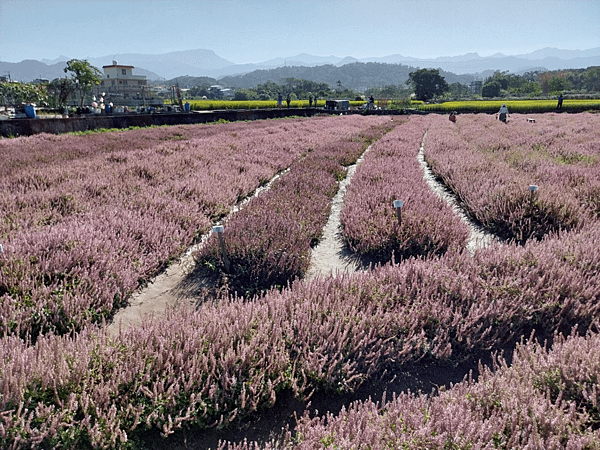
x,y
205,63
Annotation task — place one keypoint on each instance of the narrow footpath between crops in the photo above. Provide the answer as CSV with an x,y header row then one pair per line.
x,y
479,237
170,288
331,256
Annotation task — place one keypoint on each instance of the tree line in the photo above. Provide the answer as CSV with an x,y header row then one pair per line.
x,y
428,84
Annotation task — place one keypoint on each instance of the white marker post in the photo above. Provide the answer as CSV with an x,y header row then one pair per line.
x,y
219,230
398,205
532,193
0,248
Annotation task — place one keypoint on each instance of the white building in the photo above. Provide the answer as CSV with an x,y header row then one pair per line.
x,y
121,86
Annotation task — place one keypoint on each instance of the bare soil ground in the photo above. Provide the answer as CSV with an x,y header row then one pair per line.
x,y
184,283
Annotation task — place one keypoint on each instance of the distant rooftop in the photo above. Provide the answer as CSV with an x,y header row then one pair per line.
x,y
116,64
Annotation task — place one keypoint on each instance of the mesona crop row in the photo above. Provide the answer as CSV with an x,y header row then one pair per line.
x,y
268,242
490,167
545,399
390,172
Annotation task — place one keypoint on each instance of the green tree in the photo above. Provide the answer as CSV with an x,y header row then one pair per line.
x,y
491,89
530,88
243,94
388,91
86,76
591,79
458,90
59,90
17,93
559,83
503,78
427,83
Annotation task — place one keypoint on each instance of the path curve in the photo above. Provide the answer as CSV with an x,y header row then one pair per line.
x,y
479,237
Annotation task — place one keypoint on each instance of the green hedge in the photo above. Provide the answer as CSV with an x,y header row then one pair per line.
x,y
516,106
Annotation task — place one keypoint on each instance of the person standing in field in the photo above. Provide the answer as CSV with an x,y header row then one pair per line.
x,y
560,100
310,101
503,113
279,99
288,99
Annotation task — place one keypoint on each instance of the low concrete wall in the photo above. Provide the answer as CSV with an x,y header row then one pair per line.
x,y
27,127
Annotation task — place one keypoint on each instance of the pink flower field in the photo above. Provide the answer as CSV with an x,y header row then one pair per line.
x,y
86,220
490,167
389,172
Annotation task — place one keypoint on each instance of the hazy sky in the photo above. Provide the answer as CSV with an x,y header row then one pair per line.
x,y
244,31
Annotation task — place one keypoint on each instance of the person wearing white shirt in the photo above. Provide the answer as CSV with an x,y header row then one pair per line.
x,y
503,113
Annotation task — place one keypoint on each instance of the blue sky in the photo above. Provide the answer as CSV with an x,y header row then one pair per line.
x,y
244,31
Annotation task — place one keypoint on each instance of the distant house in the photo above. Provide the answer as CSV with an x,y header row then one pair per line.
x,y
224,92
121,87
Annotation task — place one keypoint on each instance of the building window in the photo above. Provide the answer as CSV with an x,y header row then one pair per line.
x,y
124,71
107,76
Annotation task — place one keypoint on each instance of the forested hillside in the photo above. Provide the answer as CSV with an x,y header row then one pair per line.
x,y
358,76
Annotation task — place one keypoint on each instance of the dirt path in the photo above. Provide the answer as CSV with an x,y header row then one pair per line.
x,y
331,256
479,237
172,287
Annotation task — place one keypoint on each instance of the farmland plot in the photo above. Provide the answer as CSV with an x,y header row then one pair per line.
x,y
390,171
86,219
490,167
269,242
233,358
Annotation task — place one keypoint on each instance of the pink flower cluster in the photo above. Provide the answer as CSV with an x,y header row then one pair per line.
x,y
230,358
545,399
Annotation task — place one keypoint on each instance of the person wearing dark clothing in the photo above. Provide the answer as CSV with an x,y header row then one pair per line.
x,y
560,100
